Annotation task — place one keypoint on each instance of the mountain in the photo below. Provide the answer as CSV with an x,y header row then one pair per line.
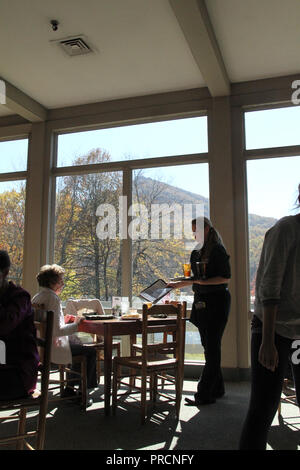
x,y
160,193
164,193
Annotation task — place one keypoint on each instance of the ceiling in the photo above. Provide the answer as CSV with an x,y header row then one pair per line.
x,y
140,47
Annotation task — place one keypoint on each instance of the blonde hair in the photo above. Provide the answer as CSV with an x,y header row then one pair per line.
x,y
49,274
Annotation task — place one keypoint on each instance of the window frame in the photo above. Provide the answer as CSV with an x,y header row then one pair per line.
x,y
13,176
127,168
261,154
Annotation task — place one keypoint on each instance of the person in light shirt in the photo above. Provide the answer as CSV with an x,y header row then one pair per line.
x,y
275,328
51,282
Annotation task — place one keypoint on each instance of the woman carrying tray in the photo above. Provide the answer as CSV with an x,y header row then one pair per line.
x,y
210,310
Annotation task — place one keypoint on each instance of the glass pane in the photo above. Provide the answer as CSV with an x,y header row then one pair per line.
x,y
13,155
272,193
171,196
92,262
12,216
159,139
272,128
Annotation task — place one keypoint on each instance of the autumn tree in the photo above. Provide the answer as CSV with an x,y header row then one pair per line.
x,y
91,263
12,215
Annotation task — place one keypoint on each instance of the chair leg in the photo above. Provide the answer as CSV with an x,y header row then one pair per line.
x,y
83,382
178,391
98,364
143,398
154,390
116,370
61,377
41,429
21,428
117,347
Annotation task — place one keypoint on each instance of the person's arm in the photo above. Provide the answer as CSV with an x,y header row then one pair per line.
x,y
60,328
203,282
268,355
274,258
212,281
222,267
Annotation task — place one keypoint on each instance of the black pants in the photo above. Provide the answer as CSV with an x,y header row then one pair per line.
x,y
266,390
11,384
90,354
211,322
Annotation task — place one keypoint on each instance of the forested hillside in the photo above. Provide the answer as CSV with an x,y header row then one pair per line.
x,y
94,265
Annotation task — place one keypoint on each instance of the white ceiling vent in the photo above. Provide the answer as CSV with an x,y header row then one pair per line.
x,y
75,46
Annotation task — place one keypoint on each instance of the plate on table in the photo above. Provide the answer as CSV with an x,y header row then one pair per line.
x,y
191,278
131,316
89,316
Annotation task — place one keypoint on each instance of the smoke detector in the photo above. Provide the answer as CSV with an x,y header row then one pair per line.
x,y
75,46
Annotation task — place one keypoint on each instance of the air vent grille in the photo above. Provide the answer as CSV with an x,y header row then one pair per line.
x,y
75,46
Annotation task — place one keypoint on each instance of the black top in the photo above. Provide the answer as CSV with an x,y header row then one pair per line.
x,y
18,333
218,265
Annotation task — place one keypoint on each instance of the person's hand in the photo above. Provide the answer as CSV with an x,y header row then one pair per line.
x,y
79,319
178,284
268,356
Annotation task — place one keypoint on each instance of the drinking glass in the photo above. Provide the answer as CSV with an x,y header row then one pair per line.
x,y
186,269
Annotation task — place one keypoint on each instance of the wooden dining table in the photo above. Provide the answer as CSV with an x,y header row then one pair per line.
x,y
108,329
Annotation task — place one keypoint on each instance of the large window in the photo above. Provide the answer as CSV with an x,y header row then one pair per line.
x,y
140,141
272,182
272,128
90,255
13,166
88,240
166,199
13,155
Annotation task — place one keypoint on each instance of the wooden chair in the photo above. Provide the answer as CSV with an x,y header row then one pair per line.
x,y
137,348
68,376
72,308
65,373
154,359
38,399
288,396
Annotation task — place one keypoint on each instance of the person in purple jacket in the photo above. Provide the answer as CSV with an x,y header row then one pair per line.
x,y
19,356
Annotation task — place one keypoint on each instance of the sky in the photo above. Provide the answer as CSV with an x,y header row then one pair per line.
x,y
272,183
168,138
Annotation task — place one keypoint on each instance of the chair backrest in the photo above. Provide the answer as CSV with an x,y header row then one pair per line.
x,y
72,306
43,321
176,346
40,319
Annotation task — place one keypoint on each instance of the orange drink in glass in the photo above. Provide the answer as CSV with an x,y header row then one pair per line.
x,y
186,269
